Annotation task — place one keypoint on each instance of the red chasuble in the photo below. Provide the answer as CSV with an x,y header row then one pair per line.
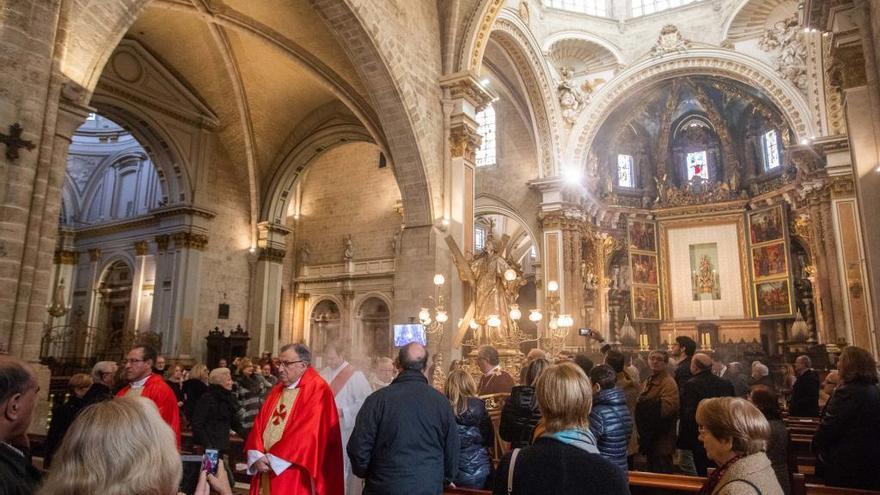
x,y
311,441
159,392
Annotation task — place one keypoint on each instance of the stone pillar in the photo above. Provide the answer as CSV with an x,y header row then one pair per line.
x,y
92,311
182,341
464,97
266,302
137,286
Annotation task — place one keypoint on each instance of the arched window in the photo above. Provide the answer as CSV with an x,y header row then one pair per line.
x,y
625,171
486,128
592,7
697,165
771,150
645,7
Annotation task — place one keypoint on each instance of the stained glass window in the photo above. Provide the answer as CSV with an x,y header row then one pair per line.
x,y
771,150
696,165
625,171
645,7
486,128
592,7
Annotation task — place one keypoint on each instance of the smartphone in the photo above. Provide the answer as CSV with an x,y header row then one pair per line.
x,y
210,460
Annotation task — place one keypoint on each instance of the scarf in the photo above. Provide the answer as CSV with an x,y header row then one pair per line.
x,y
716,476
582,439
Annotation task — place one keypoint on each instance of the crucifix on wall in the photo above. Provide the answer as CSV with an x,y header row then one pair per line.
x,y
14,142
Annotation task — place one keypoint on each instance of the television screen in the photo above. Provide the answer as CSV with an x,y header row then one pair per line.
x,y
411,332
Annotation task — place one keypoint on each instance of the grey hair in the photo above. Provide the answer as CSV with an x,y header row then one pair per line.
x,y
301,350
217,374
762,369
100,368
806,359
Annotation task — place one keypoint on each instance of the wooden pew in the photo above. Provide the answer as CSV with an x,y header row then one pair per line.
x,y
640,483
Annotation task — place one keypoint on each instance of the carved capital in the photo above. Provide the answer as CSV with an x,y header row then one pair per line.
x,y
464,141
272,255
162,242
568,219
467,86
94,254
64,257
141,248
842,186
189,240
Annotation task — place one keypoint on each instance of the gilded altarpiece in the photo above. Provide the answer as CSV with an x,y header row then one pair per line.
x,y
770,262
645,270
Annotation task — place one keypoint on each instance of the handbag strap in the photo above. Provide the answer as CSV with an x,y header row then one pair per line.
x,y
757,490
510,471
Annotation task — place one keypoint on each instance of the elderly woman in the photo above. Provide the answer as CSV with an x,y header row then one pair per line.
x,y
249,392
64,414
761,376
849,431
475,431
520,414
656,412
122,446
564,460
216,413
734,434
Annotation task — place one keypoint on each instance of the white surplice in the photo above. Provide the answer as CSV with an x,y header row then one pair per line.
x,y
348,402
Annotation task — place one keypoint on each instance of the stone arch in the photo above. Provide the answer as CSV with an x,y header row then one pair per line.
x,y
369,325
514,38
748,18
116,257
554,38
89,45
476,35
490,205
167,157
298,153
316,341
700,61
86,200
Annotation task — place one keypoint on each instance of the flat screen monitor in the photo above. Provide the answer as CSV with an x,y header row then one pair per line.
x,y
410,332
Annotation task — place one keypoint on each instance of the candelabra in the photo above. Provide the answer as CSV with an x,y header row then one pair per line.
x,y
58,308
434,320
558,325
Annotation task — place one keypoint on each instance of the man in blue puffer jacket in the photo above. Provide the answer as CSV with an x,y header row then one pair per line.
x,y
610,420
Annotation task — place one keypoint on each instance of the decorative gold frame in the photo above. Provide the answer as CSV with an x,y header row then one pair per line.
x,y
758,278
788,286
695,219
644,286
779,210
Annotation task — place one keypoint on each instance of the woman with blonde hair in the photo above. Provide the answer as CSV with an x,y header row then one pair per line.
x,y
64,414
849,431
193,388
121,447
735,434
564,459
475,430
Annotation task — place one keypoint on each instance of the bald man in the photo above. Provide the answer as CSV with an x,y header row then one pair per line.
x,y
703,385
18,398
405,439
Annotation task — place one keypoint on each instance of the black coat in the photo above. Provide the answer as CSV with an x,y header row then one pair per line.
x,y
552,467
214,416
98,392
805,396
519,417
17,475
612,425
702,386
476,435
405,440
683,373
192,390
62,417
848,436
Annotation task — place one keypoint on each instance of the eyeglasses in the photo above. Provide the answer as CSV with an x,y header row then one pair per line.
x,y
133,361
288,364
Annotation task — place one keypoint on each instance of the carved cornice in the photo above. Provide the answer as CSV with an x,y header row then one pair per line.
x,y
703,209
464,141
162,242
272,255
190,240
467,86
65,257
141,248
566,219
842,186
148,220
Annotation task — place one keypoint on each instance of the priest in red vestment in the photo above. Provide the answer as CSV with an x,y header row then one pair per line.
x,y
142,381
295,447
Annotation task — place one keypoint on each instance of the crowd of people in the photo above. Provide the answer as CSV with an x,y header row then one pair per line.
x,y
568,425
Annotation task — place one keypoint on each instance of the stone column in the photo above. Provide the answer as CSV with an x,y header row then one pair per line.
x,y
137,286
182,341
266,309
92,311
464,97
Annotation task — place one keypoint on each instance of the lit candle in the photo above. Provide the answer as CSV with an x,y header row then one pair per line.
x,y
709,341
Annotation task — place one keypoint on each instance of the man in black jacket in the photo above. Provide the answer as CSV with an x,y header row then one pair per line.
x,y
18,396
703,385
405,439
805,391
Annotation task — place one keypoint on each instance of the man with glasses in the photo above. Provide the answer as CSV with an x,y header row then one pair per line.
x,y
142,381
295,446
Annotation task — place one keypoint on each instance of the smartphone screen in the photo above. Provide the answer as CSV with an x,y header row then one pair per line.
x,y
210,460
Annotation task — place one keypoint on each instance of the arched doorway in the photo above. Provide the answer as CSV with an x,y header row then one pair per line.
x,y
113,298
325,324
375,332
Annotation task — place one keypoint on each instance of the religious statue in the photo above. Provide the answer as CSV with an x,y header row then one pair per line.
x,y
787,36
304,253
706,276
348,253
570,98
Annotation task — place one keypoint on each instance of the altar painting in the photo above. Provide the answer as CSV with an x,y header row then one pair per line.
x,y
646,303
705,280
769,260
644,269
773,298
